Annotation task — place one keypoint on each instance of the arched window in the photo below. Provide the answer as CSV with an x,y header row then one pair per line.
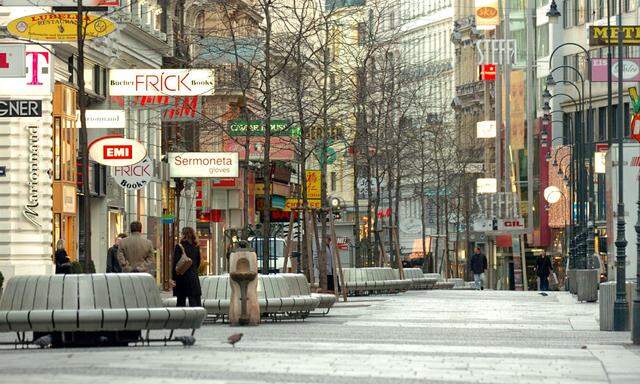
x,y
200,24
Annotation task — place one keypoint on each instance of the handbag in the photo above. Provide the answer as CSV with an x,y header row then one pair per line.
x,y
184,263
554,278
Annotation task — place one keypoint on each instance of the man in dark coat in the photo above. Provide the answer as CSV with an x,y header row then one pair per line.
x,y
113,265
478,264
543,270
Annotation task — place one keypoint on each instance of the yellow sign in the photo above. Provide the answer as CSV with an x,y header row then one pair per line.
x,y
297,203
59,26
313,184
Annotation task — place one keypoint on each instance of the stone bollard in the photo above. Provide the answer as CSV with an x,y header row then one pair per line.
x,y
243,273
587,284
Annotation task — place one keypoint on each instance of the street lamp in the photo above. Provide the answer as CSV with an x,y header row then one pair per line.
x,y
546,95
553,14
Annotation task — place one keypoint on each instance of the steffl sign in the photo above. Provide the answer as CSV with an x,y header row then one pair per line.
x,y
496,51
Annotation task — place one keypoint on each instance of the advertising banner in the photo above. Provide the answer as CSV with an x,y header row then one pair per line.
x,y
630,70
601,35
486,12
161,82
12,60
313,183
203,164
59,27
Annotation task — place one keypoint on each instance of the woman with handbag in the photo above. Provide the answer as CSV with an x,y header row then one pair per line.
x,y
186,263
63,263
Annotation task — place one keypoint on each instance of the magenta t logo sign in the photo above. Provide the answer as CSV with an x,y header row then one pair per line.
x,y
35,67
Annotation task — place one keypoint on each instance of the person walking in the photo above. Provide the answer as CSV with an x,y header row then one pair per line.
x,y
330,253
543,270
187,285
113,265
63,263
478,264
135,253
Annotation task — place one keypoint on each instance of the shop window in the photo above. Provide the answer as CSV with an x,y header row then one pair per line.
x,y
57,148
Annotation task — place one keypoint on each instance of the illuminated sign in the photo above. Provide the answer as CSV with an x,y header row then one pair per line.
x,y
203,164
59,27
12,60
134,176
486,14
161,82
116,151
487,72
486,129
33,184
487,185
20,108
603,35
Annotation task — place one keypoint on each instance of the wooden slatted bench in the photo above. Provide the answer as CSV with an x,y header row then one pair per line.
x,y
79,304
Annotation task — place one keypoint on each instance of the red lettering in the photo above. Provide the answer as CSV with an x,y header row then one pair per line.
x,y
3,61
34,66
117,152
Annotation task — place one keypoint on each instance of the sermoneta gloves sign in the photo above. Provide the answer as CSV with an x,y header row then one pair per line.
x,y
203,164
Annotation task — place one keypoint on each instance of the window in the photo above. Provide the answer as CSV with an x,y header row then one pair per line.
x,y
57,148
333,181
200,24
602,124
542,41
362,34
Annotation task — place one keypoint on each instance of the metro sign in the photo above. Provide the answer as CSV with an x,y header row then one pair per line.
x,y
114,150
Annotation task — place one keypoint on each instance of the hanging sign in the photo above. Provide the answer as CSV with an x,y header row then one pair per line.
x,y
59,27
486,14
33,184
486,129
203,164
630,69
161,82
114,150
134,176
486,185
12,60
59,3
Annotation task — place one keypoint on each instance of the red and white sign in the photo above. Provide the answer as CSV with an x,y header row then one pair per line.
x,y
38,79
161,82
203,164
117,151
511,225
59,3
134,176
488,72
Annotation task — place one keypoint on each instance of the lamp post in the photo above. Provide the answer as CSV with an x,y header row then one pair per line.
x,y
620,309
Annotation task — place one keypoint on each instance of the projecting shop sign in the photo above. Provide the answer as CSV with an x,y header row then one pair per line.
x,y
59,26
12,60
105,119
134,176
116,151
161,82
38,79
20,108
203,164
603,35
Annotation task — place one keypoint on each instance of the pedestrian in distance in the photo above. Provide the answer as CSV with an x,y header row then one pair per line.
x,y
478,264
135,253
113,265
63,263
543,270
329,254
187,285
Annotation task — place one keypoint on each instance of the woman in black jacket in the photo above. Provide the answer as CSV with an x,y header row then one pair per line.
x,y
187,285
63,263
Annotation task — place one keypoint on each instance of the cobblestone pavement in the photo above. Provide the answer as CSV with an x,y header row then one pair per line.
x,y
415,337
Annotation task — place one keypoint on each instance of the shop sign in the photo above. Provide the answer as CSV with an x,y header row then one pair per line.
x,y
114,150
313,183
496,51
174,108
487,72
59,3
630,70
257,128
68,198
281,148
20,108
59,27
38,79
635,108
486,129
134,176
161,82
604,35
293,203
203,164
104,119
486,185
33,194
486,12
510,225
12,60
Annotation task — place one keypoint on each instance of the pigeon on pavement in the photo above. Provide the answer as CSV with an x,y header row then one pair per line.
x,y
233,339
544,294
44,341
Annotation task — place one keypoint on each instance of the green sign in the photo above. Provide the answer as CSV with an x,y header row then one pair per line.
x,y
257,128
